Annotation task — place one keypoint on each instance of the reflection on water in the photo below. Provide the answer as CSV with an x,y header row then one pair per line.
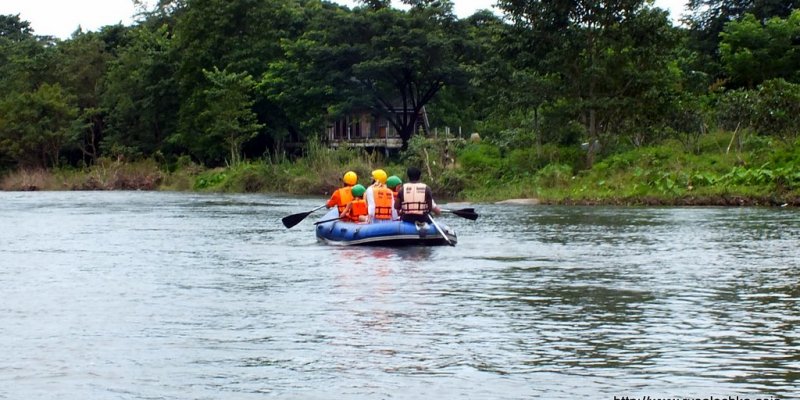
x,y
172,296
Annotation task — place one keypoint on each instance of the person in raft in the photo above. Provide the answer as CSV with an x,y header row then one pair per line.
x,y
395,183
342,196
380,199
356,210
415,200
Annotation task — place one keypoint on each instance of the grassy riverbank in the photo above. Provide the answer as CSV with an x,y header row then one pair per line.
x,y
717,171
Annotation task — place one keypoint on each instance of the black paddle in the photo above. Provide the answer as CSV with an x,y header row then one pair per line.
x,y
294,219
328,220
468,213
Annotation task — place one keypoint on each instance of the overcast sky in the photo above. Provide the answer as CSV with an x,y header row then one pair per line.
x,y
60,18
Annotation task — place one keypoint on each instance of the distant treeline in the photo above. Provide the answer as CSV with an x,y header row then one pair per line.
x,y
222,80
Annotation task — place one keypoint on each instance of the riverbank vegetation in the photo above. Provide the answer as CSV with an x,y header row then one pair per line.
x,y
724,170
573,103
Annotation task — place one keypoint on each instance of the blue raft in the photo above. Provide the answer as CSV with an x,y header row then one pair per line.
x,y
394,233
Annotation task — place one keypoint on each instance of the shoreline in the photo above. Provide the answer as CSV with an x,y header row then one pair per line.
x,y
693,201
699,201
149,176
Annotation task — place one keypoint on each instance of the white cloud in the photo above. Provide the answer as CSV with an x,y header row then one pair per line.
x,y
60,18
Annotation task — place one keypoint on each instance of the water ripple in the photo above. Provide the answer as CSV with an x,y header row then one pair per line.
x,y
140,295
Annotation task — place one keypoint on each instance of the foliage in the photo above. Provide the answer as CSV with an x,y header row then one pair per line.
x,y
753,52
105,174
615,76
381,59
139,95
777,109
35,126
573,99
707,18
238,36
228,120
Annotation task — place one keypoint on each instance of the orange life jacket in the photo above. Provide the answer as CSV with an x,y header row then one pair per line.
x,y
414,199
384,202
358,207
345,197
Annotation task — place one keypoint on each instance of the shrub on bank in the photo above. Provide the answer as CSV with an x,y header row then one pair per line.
x,y
105,174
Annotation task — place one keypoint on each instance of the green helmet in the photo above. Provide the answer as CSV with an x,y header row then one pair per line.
x,y
358,190
393,181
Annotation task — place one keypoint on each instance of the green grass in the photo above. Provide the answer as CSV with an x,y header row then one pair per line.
x,y
720,171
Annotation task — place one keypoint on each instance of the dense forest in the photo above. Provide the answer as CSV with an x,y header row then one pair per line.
x,y
556,89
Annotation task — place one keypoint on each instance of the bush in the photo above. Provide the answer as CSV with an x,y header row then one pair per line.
x,y
481,158
777,109
735,109
554,175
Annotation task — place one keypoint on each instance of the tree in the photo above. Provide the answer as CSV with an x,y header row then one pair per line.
x,y
390,61
408,59
83,63
34,126
140,95
752,51
13,29
238,36
229,118
613,59
26,60
707,18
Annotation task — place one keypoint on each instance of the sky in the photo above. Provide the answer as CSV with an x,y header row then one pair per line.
x,y
60,18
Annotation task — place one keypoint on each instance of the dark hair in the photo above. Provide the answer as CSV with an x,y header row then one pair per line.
x,y
413,173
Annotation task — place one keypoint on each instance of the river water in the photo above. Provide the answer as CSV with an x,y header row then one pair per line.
x,y
146,295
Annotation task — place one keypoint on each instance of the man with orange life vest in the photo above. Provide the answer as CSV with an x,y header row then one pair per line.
x,y
342,196
380,199
415,200
355,210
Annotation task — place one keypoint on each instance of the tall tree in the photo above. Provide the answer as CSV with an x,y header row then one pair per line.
x,y
229,118
753,51
612,57
83,63
239,36
140,96
707,18
390,61
26,60
35,126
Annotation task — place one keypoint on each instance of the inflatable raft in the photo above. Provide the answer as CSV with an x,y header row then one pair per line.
x,y
394,233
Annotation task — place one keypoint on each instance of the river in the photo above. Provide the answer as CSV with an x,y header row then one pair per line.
x,y
151,295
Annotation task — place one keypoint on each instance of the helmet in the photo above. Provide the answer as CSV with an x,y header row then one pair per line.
x,y
379,175
350,178
393,181
358,190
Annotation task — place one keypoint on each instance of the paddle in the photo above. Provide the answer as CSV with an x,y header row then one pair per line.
x,y
468,213
328,220
435,225
294,219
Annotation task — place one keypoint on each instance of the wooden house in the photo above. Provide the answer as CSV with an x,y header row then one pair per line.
x,y
370,130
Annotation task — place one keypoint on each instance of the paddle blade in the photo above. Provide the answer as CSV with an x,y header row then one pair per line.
x,y
294,219
468,213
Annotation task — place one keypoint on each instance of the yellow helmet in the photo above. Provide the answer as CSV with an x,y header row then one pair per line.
x,y
379,175
350,178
